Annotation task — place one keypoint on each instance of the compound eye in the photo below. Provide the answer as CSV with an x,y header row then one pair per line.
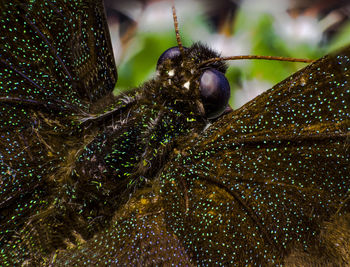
x,y
215,92
169,54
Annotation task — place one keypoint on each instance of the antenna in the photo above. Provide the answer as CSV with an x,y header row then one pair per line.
x,y
290,59
176,26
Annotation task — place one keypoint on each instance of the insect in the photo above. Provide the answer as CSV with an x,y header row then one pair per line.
x,y
162,174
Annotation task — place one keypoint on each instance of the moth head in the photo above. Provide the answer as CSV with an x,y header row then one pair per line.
x,y
204,87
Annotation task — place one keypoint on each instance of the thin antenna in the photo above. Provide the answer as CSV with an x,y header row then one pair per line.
x,y
176,25
290,59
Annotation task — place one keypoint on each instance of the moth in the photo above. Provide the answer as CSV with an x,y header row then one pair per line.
x,y
164,173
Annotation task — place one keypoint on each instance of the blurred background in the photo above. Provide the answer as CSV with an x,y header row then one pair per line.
x,y
142,29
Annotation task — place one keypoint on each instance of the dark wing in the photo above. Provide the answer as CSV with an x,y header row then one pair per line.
x,y
263,180
56,51
55,61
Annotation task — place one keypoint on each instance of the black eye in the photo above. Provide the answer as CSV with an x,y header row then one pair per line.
x,y
215,92
169,53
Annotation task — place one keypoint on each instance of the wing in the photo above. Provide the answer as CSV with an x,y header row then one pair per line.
x,y
55,62
258,185
56,51
264,180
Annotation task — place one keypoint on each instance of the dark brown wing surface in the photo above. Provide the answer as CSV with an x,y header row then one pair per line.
x,y
48,47
55,61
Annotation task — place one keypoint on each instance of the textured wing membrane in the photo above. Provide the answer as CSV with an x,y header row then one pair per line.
x,y
265,178
138,237
55,60
55,51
